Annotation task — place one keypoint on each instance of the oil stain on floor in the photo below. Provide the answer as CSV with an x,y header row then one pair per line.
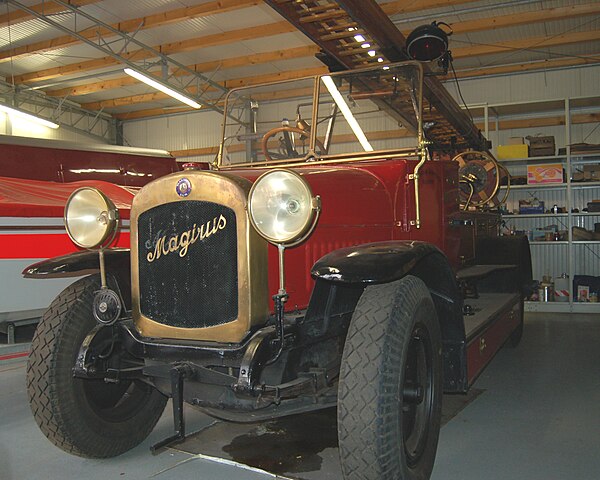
x,y
303,447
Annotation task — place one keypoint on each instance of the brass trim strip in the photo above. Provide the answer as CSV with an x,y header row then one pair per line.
x,y
342,158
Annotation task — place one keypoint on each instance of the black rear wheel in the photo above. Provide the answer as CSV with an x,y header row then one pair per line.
x,y
390,392
86,417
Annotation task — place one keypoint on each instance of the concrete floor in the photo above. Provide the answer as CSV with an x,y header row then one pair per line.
x,y
538,417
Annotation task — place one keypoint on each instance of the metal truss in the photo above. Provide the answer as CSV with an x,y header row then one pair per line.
x,y
97,125
116,47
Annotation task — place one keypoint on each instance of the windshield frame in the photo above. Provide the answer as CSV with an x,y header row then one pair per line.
x,y
312,155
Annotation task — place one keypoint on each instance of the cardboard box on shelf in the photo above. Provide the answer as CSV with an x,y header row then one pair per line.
x,y
578,177
593,206
541,152
531,206
584,286
544,173
541,141
515,141
591,173
511,152
541,146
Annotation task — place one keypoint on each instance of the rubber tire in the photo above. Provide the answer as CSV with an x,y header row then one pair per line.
x,y
61,403
370,428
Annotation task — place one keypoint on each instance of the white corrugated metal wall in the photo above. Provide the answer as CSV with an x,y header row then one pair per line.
x,y
23,128
202,129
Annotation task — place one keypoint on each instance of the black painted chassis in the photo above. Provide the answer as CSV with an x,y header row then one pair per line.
x,y
264,377
237,382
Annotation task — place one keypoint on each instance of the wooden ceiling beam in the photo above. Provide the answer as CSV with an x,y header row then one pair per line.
x,y
283,27
399,7
526,44
522,18
470,73
233,83
46,8
154,112
142,23
527,67
391,8
255,59
232,36
462,27
275,77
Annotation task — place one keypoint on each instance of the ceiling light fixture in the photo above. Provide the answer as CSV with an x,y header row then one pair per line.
x,y
27,116
162,87
343,106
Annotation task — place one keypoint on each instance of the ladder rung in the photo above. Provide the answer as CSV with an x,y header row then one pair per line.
x,y
319,17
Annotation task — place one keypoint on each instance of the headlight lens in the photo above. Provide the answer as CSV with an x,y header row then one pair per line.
x,y
282,207
91,218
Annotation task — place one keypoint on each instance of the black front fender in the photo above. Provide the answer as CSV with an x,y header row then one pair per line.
x,y
81,263
380,262
116,262
385,262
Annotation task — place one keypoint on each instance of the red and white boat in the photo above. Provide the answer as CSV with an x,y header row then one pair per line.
x,y
36,178
32,229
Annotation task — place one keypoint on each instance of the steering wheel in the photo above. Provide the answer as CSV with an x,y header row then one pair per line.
x,y
479,177
286,147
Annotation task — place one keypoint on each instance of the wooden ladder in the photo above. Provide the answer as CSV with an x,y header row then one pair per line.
x,y
355,34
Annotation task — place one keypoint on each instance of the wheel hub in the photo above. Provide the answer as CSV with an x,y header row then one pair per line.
x,y
413,394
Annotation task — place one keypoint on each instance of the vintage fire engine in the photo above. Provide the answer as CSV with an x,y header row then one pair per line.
x,y
334,254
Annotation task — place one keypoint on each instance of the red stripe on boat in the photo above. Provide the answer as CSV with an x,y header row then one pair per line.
x,y
44,245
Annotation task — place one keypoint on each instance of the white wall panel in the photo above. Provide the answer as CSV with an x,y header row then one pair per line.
x,y
549,259
587,258
202,129
22,128
178,132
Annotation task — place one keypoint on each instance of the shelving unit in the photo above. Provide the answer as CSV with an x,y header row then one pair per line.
x,y
570,256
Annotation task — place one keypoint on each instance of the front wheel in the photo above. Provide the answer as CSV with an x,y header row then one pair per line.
x,y
390,391
85,417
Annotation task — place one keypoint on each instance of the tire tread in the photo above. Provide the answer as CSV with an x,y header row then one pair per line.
x,y
54,411
367,391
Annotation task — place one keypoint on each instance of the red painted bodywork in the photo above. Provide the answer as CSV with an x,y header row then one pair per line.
x,y
482,348
366,202
56,164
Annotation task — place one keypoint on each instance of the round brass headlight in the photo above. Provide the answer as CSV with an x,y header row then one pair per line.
x,y
91,218
282,207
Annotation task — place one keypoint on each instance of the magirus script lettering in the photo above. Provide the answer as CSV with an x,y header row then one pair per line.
x,y
181,242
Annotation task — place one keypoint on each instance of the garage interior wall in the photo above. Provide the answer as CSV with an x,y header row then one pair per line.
x,y
22,128
543,92
203,129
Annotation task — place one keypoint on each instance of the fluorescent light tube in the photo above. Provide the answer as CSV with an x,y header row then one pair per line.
x,y
343,106
163,88
28,116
